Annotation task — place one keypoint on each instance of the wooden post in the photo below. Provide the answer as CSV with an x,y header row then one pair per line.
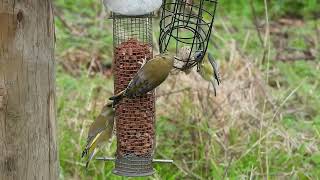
x,y
28,145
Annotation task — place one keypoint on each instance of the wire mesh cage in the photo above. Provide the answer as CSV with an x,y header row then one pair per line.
x,y
186,24
135,118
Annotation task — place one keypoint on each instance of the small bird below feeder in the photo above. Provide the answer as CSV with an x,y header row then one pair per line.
x,y
100,131
184,57
208,67
133,7
187,24
209,71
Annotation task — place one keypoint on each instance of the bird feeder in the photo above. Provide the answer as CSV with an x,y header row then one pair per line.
x,y
186,23
135,118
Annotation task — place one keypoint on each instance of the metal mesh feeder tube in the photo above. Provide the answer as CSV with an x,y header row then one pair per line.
x,y
135,117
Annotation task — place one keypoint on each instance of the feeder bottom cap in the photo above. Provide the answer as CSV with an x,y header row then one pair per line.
x,y
132,174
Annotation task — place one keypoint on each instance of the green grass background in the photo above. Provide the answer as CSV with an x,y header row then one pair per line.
x,y
287,145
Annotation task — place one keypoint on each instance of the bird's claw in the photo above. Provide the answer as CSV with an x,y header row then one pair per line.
x,y
143,61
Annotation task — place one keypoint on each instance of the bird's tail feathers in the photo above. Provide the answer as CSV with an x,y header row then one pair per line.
x,y
84,152
214,87
90,145
86,149
215,67
91,157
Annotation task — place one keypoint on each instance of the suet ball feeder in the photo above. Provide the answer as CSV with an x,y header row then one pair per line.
x,y
186,24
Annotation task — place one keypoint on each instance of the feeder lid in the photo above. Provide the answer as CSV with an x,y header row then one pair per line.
x,y
133,7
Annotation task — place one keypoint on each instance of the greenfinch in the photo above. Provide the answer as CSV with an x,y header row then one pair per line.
x,y
100,131
148,77
183,57
209,71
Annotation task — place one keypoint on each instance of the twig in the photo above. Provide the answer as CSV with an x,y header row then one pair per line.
x,y
94,56
174,163
317,38
295,58
255,144
173,92
94,62
73,162
156,45
64,22
227,169
58,14
68,68
266,53
255,22
286,99
190,172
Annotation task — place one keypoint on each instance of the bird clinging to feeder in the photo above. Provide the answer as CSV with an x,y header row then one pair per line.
x,y
100,131
209,71
183,58
149,76
133,41
135,117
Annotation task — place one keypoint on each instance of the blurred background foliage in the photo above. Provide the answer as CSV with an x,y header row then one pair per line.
x,y
264,123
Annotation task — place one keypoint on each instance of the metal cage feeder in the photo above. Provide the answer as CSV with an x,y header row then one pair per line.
x,y
186,24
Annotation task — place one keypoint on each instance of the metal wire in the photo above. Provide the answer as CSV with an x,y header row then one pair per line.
x,y
154,160
132,27
135,117
184,24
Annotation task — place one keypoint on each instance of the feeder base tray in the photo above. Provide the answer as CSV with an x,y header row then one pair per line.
x,y
132,174
133,166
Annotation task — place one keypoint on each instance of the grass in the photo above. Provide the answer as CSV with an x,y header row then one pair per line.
x,y
264,123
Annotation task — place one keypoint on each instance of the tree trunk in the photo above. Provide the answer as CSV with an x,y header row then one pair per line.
x,y
28,145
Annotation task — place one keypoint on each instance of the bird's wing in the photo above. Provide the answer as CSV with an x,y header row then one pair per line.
x,y
215,68
100,123
101,138
91,145
94,133
139,85
206,71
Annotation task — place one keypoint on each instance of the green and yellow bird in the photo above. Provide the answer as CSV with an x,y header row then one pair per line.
x,y
149,76
209,71
100,131
183,58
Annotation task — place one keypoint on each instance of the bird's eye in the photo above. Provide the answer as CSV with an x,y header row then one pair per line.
x,y
199,55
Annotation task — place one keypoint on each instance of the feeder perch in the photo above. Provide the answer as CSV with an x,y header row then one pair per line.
x,y
186,24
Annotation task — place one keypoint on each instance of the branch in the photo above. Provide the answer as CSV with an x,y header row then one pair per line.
x,y
173,92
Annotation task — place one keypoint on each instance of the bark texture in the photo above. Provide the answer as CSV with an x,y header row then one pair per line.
x,y
28,145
